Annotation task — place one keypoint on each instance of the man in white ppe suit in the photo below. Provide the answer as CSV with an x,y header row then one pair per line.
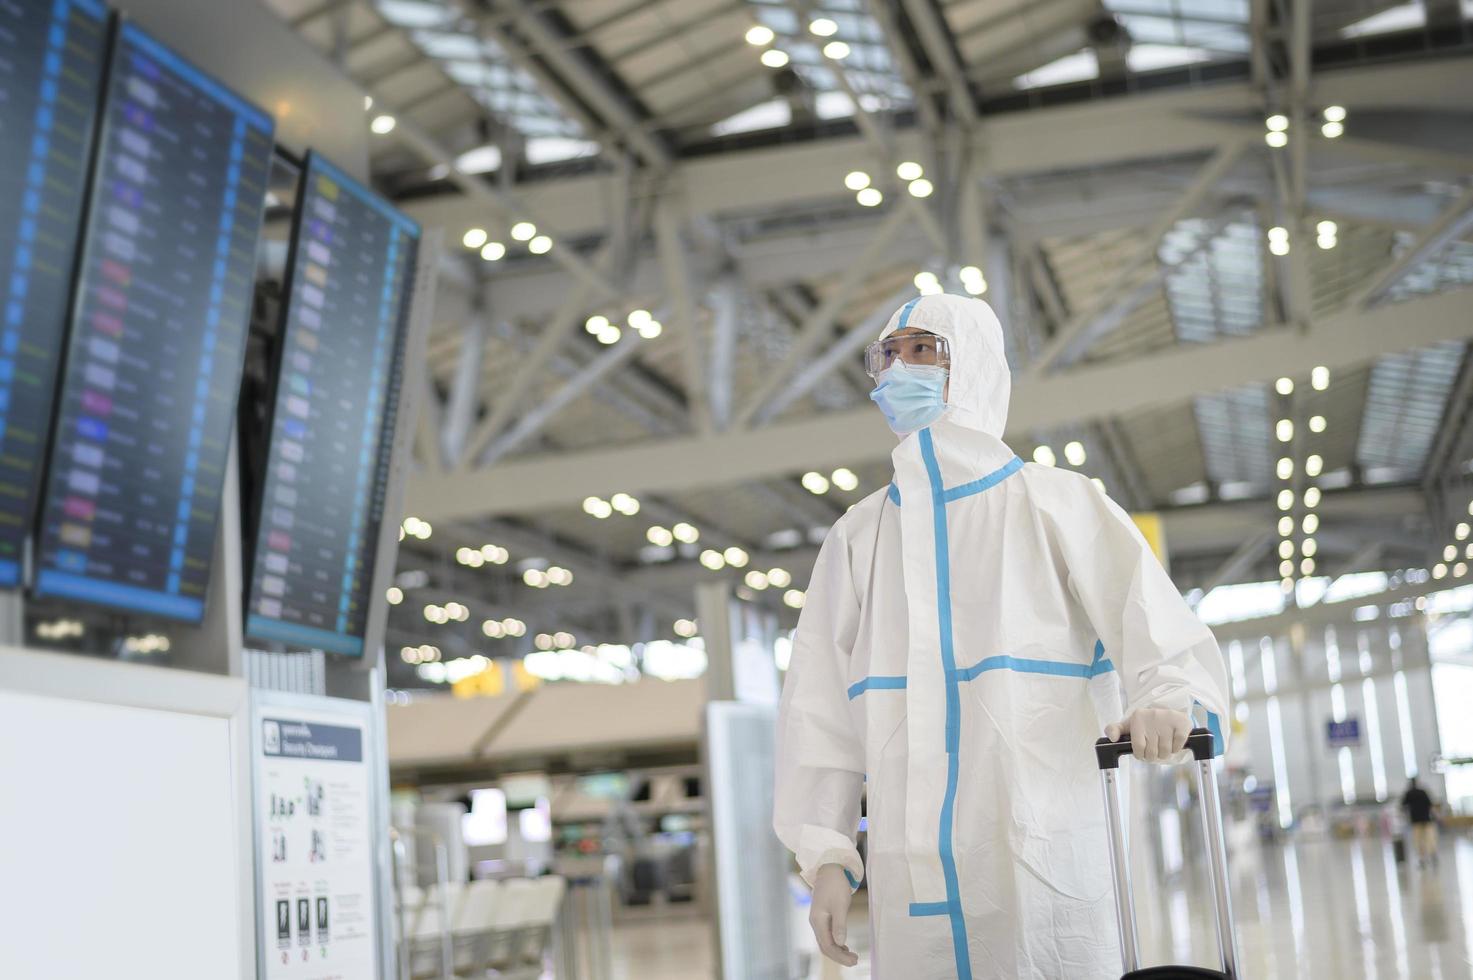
x,y
967,633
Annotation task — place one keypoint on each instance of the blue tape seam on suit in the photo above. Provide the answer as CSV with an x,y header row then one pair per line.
x,y
1214,725
1026,666
986,483
905,313
953,709
967,489
1101,665
876,682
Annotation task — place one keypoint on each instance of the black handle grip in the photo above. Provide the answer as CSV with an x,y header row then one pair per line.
x,y
1108,753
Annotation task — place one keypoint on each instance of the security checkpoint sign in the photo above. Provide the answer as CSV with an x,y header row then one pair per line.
x,y
315,845
1343,734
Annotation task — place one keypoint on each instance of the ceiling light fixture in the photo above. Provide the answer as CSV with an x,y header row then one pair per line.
x,y
760,34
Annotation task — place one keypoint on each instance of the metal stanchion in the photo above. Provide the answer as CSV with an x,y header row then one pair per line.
x,y
401,949
442,888
560,943
586,931
605,895
442,883
566,936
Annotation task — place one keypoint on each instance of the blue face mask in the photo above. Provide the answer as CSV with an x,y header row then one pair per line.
x,y
911,396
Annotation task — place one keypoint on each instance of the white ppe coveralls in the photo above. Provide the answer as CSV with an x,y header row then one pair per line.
x,y
966,634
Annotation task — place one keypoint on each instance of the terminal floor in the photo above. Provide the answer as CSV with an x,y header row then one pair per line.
x,y
1313,909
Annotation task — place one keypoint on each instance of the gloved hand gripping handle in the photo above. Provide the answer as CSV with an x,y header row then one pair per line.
x,y
1108,753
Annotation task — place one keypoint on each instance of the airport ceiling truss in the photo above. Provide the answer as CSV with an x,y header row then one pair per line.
x,y
1173,205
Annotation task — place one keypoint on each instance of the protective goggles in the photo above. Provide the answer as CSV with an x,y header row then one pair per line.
x,y
915,349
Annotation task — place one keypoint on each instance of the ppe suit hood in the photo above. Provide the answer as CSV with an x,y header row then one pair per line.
x,y
980,381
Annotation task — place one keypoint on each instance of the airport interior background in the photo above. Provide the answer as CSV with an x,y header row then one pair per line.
x,y
419,420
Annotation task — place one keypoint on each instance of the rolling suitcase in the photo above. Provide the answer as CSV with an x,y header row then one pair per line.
x,y
1200,743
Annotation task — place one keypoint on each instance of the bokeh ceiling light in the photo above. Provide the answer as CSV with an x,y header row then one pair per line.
x,y
760,34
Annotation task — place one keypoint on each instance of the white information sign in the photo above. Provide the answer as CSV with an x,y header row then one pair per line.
x,y
315,842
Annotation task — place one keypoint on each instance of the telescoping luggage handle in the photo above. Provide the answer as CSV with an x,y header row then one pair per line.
x,y
1108,754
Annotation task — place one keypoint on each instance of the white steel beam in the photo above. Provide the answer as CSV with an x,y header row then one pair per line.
x,y
487,204
574,388
1073,338
465,390
765,263
673,260
879,139
935,36
1060,138
793,304
725,302
576,73
530,370
847,438
820,322
823,365
427,424
883,13
1236,565
547,82
1450,226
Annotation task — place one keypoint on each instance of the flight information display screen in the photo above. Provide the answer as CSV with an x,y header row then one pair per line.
x,y
157,338
51,61
322,501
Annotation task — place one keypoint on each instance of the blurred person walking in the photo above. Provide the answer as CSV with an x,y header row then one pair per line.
x,y
1420,811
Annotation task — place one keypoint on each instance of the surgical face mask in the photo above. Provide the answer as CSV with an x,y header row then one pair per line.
x,y
911,396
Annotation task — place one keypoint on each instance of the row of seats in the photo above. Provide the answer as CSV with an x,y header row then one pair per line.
x,y
497,927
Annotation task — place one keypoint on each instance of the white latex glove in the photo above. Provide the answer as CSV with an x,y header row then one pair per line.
x,y
1156,734
829,913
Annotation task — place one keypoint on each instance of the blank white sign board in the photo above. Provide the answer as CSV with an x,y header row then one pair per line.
x,y
118,842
